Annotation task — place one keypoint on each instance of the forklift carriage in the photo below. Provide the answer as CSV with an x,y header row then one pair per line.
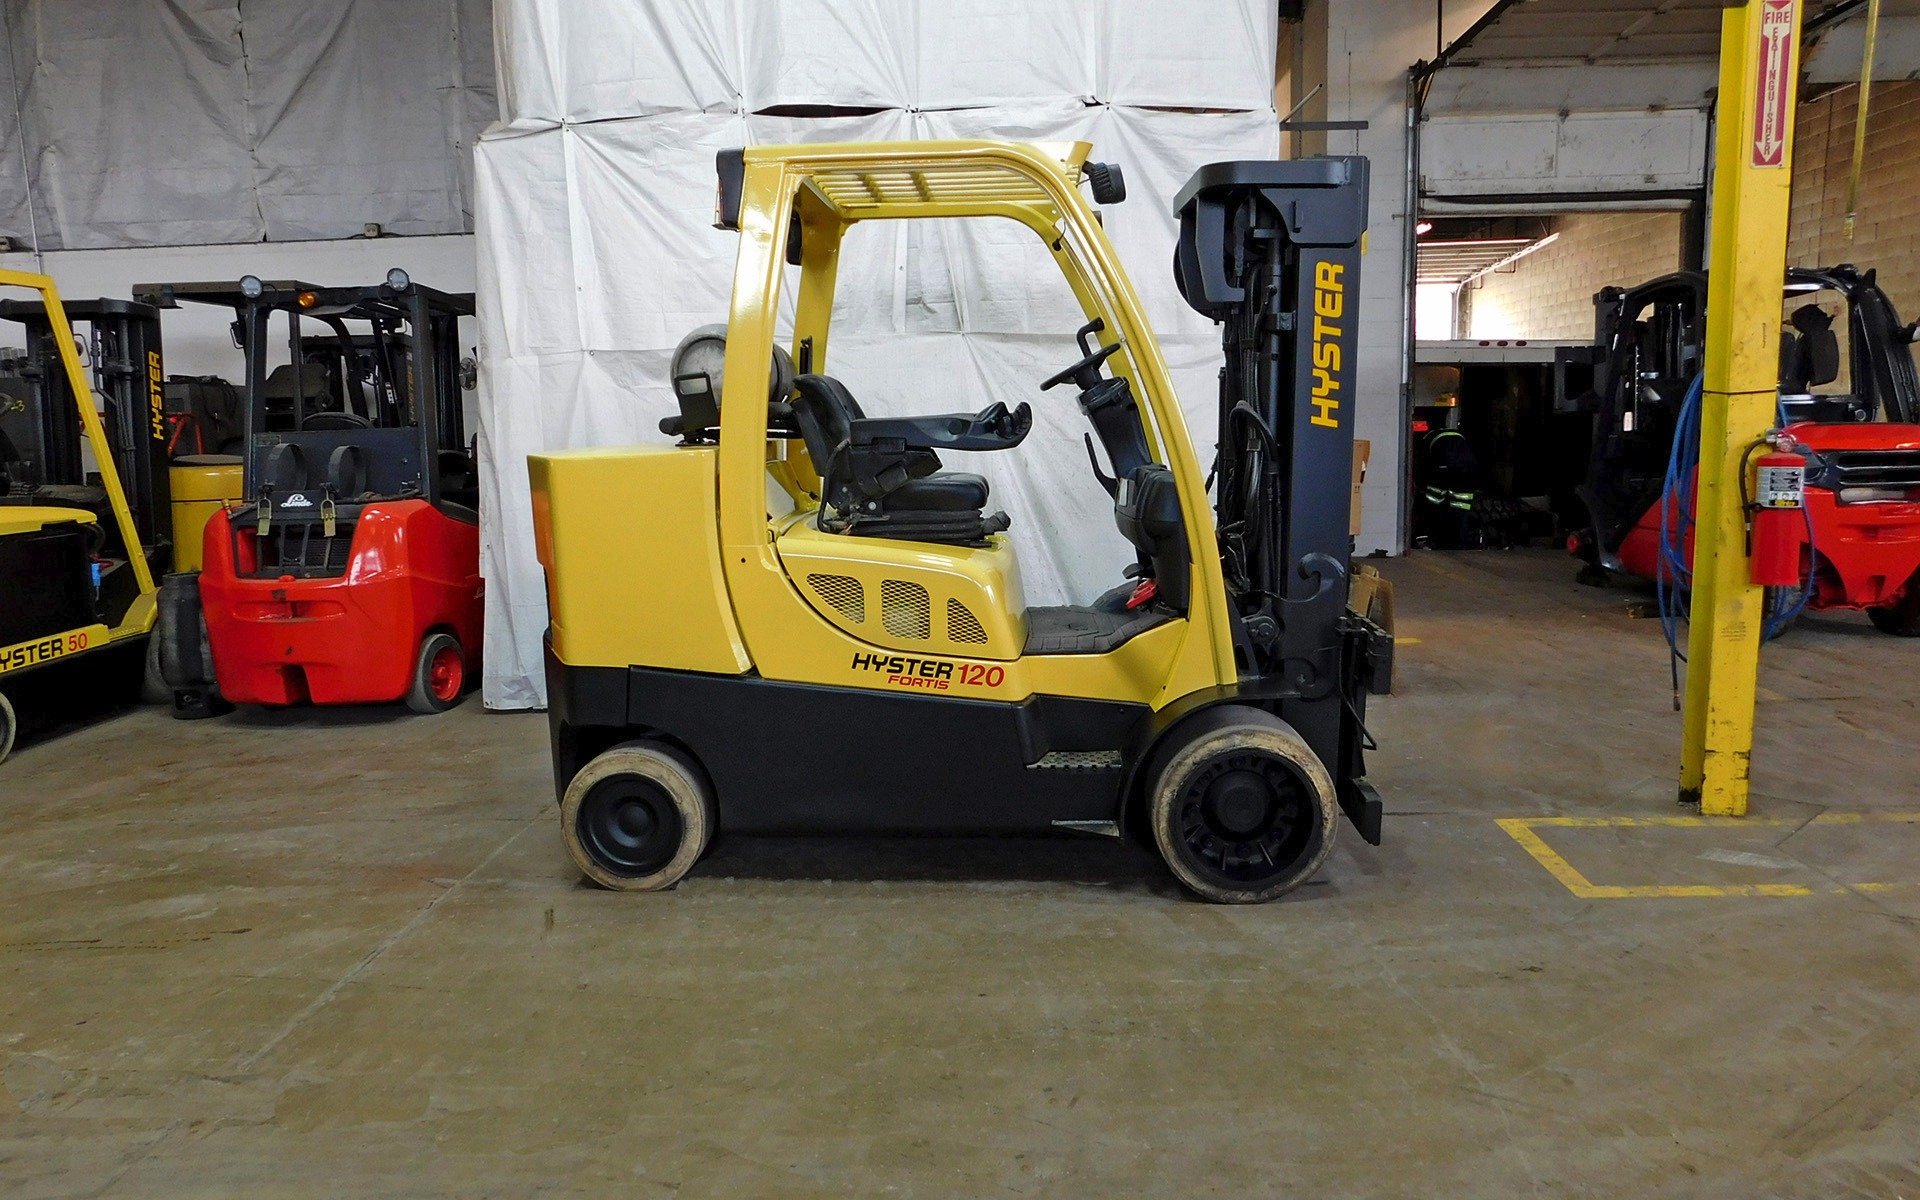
x,y
860,657
349,573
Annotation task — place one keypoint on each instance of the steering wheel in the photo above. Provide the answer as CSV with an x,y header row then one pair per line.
x,y
335,420
1077,372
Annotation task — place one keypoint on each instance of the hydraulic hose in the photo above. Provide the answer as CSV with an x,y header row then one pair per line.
x,y
1673,572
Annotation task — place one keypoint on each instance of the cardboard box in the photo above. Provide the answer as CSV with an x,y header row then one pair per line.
x,y
1361,449
1371,596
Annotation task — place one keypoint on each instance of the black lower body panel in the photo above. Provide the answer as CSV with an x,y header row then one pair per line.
x,y
790,758
45,583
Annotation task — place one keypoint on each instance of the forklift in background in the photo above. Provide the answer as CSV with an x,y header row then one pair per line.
x,y
1849,424
349,572
80,542
859,657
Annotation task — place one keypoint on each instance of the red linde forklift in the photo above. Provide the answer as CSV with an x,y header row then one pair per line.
x,y
859,657
349,573
1835,500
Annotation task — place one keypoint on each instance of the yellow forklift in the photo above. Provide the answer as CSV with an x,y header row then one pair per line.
x,y
78,550
794,621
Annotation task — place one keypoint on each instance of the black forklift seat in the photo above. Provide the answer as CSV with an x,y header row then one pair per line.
x,y
281,382
881,476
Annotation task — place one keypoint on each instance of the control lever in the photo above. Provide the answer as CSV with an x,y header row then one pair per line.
x,y
1107,481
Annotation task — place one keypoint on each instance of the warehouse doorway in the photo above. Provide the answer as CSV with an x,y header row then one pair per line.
x,y
1501,419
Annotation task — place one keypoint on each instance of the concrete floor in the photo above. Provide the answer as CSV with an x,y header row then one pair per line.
x,y
344,954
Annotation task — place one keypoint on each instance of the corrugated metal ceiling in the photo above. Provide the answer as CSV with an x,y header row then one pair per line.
x,y
1601,31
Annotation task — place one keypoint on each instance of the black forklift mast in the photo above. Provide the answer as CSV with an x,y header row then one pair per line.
x,y
396,424
1271,250
1649,344
121,341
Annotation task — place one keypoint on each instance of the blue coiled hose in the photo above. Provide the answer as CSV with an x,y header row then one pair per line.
x,y
1673,575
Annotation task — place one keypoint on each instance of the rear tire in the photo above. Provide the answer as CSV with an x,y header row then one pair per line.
x,y
1242,809
439,675
1901,618
8,727
637,817
153,684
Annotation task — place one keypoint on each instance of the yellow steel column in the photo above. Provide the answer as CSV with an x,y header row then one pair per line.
x,y
1753,155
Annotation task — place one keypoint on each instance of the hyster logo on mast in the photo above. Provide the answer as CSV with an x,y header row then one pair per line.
x,y
1329,304
1773,97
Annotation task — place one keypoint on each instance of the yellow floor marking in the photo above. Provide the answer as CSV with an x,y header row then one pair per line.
x,y
1521,829
1632,822
1401,641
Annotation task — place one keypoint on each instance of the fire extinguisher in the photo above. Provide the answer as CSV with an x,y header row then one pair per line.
x,y
1778,528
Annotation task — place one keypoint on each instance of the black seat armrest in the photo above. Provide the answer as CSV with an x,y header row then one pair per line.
x,y
994,427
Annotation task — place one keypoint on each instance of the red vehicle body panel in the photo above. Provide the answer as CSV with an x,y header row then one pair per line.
x,y
351,639
1869,552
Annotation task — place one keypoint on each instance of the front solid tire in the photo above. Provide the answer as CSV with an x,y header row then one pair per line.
x,y
637,817
8,727
1241,808
439,674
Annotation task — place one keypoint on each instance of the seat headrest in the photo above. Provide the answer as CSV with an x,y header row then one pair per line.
x,y
1819,345
313,379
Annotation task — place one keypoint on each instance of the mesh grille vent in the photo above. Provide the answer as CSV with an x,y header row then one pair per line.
x,y
963,626
905,609
843,593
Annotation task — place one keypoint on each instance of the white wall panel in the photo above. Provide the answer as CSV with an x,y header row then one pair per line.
x,y
1549,88
1550,153
1836,57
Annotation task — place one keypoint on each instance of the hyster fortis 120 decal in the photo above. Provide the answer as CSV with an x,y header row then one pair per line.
x,y
929,674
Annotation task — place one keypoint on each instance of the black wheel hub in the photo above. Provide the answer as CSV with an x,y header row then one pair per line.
x,y
630,825
1247,817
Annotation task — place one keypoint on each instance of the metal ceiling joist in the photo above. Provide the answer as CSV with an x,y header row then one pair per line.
x,y
1538,32
1458,261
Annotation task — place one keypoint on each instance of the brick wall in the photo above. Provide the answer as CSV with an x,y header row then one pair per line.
x,y
1886,234
1549,293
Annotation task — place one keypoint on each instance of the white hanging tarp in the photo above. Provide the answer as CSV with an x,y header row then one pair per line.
x,y
597,252
589,60
199,122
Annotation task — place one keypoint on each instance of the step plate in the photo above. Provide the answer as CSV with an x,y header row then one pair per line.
x,y
1078,760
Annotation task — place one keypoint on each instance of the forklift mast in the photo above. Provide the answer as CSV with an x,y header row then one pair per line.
x,y
1271,250
122,345
352,413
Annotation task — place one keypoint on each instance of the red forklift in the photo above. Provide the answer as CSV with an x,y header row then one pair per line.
x,y
1848,432
349,573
